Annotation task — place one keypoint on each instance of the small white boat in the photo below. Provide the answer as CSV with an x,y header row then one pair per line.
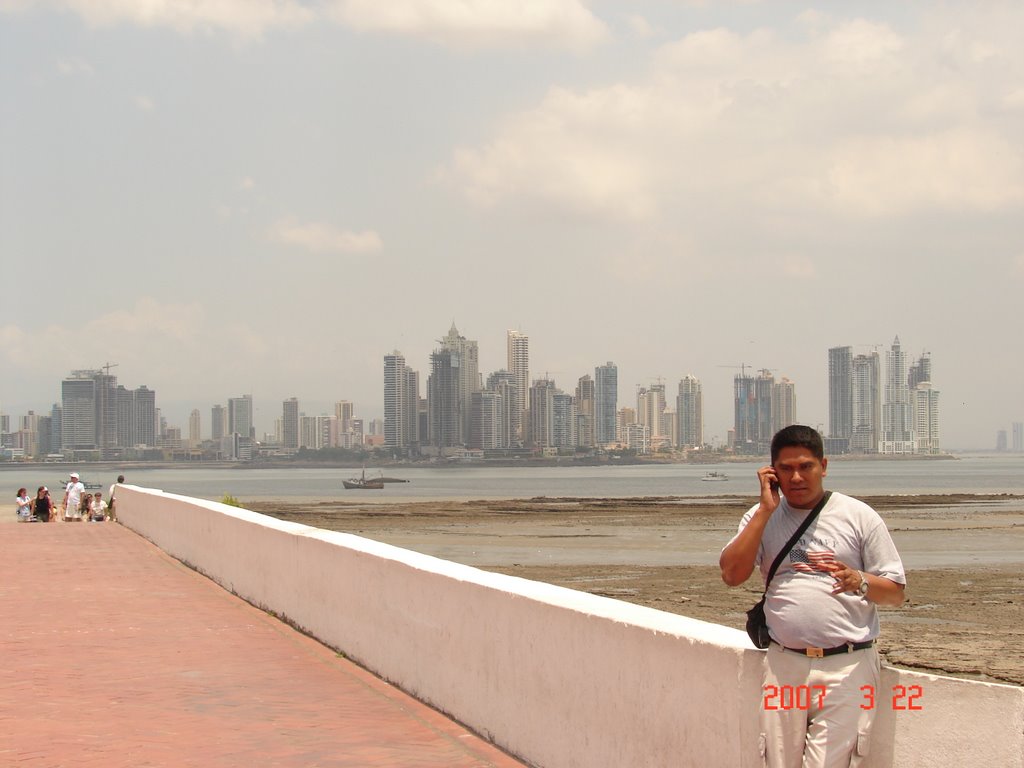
x,y
714,476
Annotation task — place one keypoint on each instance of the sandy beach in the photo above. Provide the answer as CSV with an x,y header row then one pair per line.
x,y
963,555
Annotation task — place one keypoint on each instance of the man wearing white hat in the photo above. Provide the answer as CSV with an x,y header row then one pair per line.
x,y
73,498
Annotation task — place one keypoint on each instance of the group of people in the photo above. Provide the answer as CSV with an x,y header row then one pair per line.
x,y
77,505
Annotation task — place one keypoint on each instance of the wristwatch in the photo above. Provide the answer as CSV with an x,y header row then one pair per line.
x,y
862,590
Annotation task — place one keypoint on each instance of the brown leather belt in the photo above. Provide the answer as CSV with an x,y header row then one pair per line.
x,y
820,653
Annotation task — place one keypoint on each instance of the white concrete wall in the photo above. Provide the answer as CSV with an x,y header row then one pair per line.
x,y
560,678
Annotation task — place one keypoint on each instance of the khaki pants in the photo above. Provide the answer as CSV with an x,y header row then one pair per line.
x,y
819,713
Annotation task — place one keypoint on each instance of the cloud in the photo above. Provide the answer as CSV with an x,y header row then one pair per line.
x,y
478,23
323,238
845,117
575,150
73,65
248,19
148,340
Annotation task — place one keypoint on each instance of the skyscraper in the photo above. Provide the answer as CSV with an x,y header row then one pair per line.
x,y
866,377
840,393
764,389
518,364
783,405
690,413
650,405
125,400
145,416
240,416
606,403
466,358
925,402
563,420
290,424
218,422
1018,436
585,412
444,407
503,384
195,436
897,420
542,413
106,413
745,413
401,401
78,414
489,432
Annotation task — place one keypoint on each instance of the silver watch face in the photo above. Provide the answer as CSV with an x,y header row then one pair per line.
x,y
863,588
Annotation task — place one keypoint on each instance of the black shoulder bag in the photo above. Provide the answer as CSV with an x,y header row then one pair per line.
x,y
757,624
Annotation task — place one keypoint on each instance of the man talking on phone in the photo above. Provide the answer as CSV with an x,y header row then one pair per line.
x,y
820,605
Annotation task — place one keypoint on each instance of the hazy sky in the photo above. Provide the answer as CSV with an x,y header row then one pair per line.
x,y
267,196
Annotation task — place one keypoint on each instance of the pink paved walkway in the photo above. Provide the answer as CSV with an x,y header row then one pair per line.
x,y
114,654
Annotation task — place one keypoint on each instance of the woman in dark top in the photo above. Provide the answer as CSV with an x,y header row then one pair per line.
x,y
41,505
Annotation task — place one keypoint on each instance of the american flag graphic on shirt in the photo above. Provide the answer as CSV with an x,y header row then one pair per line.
x,y
811,562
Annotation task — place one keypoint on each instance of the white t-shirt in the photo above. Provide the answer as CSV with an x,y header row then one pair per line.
x,y
800,609
75,490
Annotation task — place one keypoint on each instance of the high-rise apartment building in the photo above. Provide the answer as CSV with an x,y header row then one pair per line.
x,y
466,358
490,430
606,404
106,413
290,424
542,414
78,414
925,404
585,399
840,394
401,403
218,422
240,417
755,401
563,420
650,406
745,413
764,389
444,406
783,405
1018,436
503,384
920,371
897,419
195,435
866,394
518,364
145,417
690,413
125,403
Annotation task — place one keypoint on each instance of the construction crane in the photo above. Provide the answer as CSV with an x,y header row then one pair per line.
x,y
742,367
107,366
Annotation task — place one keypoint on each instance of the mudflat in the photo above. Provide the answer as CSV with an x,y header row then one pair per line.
x,y
964,553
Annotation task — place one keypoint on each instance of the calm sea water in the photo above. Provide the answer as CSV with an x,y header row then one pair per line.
x,y
969,474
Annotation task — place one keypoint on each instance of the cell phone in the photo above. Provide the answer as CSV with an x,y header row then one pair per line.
x,y
774,485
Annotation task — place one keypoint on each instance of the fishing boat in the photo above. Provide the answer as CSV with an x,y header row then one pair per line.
x,y
714,476
364,483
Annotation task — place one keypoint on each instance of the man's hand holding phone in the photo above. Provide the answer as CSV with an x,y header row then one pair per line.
x,y
770,498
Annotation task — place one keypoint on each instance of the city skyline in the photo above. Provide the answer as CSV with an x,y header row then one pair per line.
x,y
775,402
264,197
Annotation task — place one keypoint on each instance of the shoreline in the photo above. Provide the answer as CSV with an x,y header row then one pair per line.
x,y
531,462
965,595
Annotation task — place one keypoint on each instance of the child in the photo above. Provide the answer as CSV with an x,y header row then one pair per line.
x,y
97,508
24,505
